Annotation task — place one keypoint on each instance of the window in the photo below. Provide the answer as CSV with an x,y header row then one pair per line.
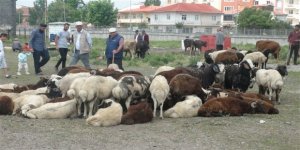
x,y
183,17
156,17
256,3
214,18
228,0
183,1
291,12
208,30
268,3
168,16
245,0
126,16
196,17
169,1
291,1
228,8
134,16
228,17
196,1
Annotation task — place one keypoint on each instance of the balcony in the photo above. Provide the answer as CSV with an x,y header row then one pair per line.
x,y
293,6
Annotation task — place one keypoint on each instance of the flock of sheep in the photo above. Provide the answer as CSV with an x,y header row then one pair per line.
x,y
111,96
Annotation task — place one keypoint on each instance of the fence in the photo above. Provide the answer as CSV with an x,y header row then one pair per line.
x,y
237,35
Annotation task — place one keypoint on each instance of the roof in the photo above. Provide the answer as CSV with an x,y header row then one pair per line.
x,y
189,7
140,9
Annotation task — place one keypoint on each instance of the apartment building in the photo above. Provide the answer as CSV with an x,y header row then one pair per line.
x,y
292,9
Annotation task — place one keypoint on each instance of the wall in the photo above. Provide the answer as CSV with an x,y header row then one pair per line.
x,y
8,14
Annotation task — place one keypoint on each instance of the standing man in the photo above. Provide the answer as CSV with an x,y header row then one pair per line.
x,y
114,48
37,43
294,42
137,36
61,42
3,65
219,39
145,38
83,44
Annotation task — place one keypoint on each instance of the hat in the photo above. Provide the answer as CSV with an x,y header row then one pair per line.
x,y
43,25
78,23
112,30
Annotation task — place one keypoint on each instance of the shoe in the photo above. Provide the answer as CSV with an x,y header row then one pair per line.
x,y
56,69
40,70
18,73
7,76
27,73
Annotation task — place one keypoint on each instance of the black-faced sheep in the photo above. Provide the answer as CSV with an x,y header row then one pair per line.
x,y
138,113
187,108
108,114
239,76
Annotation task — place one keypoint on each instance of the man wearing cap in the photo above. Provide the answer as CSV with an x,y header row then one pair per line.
x,y
114,48
83,44
61,42
37,43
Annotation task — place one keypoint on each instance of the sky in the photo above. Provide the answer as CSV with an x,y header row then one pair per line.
x,y
120,4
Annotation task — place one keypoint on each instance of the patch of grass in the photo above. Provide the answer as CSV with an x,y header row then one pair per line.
x,y
165,44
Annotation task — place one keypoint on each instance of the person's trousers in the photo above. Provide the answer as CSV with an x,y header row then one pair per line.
x,y
23,65
294,49
63,57
83,57
219,47
117,61
40,58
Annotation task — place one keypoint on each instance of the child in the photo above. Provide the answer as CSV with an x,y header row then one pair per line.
x,y
26,48
22,58
3,64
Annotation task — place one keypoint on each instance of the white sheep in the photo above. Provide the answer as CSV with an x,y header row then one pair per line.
x,y
187,108
41,90
66,81
8,86
26,102
74,89
270,79
256,57
59,110
163,68
159,89
10,95
109,114
96,88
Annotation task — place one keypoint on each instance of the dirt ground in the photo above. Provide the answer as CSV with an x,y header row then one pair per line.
x,y
278,132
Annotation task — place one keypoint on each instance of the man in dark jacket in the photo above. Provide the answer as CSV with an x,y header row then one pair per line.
x,y
37,43
114,48
294,44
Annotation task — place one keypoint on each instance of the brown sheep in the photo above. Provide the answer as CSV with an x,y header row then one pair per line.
x,y
139,113
172,73
273,46
6,105
66,70
129,47
41,83
226,106
227,57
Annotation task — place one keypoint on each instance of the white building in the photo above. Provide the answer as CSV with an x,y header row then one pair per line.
x,y
292,9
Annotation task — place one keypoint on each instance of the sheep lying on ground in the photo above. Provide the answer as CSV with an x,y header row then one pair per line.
x,y
27,102
139,113
10,95
95,88
58,110
8,86
6,105
108,114
187,108
159,89
41,90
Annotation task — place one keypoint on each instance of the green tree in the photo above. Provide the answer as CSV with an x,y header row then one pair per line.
x,y
56,11
152,2
37,13
101,13
254,18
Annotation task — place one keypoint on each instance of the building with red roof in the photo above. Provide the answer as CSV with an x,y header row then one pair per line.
x,y
193,17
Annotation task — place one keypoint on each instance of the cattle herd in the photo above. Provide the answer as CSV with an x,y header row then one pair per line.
x,y
214,88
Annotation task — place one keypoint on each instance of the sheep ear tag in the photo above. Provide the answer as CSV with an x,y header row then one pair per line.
x,y
216,68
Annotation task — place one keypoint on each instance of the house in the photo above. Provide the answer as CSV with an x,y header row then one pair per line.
x,y
193,17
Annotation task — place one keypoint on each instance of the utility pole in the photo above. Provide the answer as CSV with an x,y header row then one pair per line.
x,y
64,11
46,19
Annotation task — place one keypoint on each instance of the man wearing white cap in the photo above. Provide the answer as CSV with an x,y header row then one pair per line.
x,y
114,48
83,44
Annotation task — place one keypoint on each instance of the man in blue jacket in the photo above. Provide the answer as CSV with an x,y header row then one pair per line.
x,y
114,48
37,43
